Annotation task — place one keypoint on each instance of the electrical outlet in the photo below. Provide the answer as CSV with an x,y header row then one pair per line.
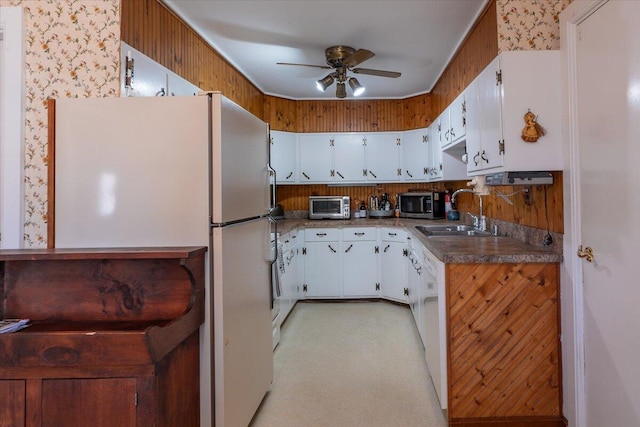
x,y
547,240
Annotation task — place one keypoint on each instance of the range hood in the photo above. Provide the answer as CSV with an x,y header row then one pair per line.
x,y
519,178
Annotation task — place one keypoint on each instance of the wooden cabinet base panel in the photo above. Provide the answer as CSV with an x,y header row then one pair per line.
x,y
510,422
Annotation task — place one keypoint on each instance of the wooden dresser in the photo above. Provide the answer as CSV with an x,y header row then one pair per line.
x,y
113,339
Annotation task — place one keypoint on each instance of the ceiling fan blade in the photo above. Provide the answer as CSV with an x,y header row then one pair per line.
x,y
380,73
358,57
305,65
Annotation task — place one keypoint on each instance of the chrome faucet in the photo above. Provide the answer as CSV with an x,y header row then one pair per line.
x,y
480,221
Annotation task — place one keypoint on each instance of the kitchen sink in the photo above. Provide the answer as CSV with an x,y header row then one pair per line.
x,y
451,230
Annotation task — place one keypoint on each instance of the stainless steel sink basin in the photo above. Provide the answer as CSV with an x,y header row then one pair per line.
x,y
450,230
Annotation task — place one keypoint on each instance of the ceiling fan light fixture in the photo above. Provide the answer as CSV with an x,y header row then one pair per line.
x,y
324,83
357,88
341,90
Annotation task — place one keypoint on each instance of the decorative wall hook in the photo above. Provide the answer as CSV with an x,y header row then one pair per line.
x,y
532,130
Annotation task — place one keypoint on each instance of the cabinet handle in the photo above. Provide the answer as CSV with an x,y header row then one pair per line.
x,y
475,158
289,176
409,173
340,175
386,248
348,249
392,234
373,174
321,234
453,134
359,234
305,175
331,249
586,253
484,156
446,134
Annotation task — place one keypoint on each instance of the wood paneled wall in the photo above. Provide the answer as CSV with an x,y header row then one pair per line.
x,y
475,53
151,28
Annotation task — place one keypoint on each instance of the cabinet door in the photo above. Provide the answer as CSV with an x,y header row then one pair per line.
x,y
393,270
283,156
457,119
316,158
322,273
473,127
12,403
414,148
349,165
444,128
435,160
489,98
179,86
360,272
383,157
103,402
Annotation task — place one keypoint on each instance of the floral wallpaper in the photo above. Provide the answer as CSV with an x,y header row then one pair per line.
x,y
72,49
529,24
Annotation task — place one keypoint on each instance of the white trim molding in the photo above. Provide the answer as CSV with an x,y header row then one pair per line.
x,y
571,275
11,128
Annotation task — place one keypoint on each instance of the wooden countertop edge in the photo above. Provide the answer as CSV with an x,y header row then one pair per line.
x,y
160,252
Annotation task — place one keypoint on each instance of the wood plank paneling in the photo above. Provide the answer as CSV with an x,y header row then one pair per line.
x,y
503,334
476,52
151,28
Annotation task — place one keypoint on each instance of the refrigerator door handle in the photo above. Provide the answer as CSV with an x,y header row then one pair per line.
x,y
272,173
275,236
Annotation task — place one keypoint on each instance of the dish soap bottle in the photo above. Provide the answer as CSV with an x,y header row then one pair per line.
x,y
363,210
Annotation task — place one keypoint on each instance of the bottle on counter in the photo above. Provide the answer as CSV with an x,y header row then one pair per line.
x,y
363,210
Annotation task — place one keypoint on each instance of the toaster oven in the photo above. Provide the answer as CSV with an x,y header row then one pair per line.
x,y
424,205
329,207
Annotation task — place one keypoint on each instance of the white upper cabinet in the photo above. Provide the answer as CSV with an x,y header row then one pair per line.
x,y
457,119
514,84
382,151
316,157
284,156
348,158
415,155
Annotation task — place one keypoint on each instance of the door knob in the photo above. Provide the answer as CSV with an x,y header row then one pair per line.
x,y
587,253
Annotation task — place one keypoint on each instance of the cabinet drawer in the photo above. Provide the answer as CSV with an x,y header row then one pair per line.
x,y
321,234
393,235
352,234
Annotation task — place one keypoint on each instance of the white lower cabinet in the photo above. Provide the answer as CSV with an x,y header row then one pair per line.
x,y
415,266
290,282
322,272
360,262
393,267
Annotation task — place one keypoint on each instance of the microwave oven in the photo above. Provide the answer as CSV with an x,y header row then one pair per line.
x,y
329,207
424,205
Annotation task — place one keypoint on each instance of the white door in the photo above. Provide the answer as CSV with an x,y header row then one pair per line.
x,y
415,145
322,269
608,125
284,156
360,269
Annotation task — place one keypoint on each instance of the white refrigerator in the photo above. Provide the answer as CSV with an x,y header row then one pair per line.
x,y
170,171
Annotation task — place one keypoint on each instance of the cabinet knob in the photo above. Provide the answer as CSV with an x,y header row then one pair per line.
x,y
587,253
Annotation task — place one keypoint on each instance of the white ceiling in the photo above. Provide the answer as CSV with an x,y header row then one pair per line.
x,y
416,38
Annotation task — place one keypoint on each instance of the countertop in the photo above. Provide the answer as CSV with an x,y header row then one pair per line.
x,y
448,249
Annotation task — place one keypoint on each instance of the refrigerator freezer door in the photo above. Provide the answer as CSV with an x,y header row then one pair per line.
x,y
132,172
243,355
240,154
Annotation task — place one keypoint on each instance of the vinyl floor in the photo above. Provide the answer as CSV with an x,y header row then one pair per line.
x,y
350,364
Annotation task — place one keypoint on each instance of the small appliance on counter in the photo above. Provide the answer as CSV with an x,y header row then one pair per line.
x,y
380,207
329,207
422,205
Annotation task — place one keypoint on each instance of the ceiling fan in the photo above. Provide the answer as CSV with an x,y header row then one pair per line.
x,y
343,59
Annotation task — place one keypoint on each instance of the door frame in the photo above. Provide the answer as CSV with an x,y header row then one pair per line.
x,y
574,400
12,129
